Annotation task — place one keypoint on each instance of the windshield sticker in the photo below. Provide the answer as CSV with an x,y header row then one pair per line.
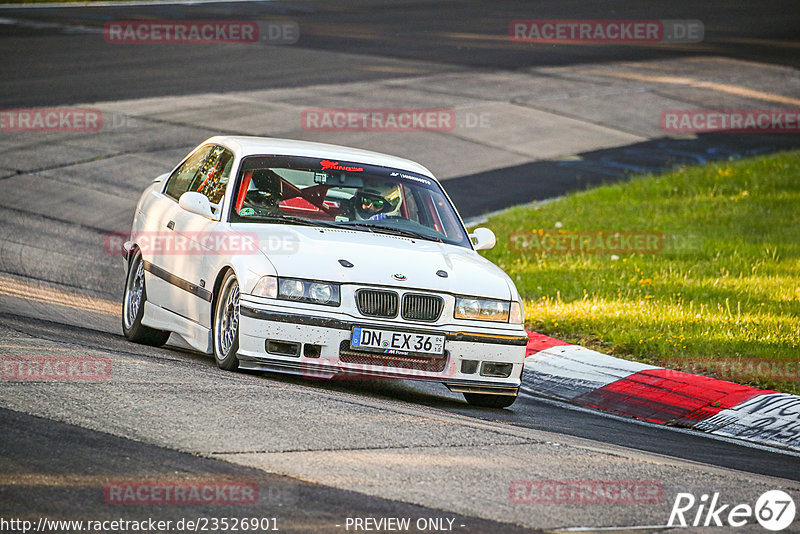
x,y
341,218
244,212
327,164
409,177
320,177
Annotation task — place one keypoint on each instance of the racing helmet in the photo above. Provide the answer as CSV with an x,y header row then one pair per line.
x,y
382,200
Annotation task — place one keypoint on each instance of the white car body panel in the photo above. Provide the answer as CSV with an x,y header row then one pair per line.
x,y
376,257
181,288
196,335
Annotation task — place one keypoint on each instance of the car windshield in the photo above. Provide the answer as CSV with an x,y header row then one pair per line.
x,y
299,190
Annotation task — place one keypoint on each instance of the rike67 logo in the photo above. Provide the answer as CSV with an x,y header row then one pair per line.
x,y
774,510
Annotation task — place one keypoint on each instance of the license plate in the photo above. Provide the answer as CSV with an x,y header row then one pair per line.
x,y
393,342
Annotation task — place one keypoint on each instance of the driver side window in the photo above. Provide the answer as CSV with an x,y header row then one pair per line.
x,y
214,175
182,178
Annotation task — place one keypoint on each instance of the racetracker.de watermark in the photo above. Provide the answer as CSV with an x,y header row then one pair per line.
x,y
566,31
378,119
277,32
587,242
61,120
731,120
172,243
181,493
55,368
51,120
586,492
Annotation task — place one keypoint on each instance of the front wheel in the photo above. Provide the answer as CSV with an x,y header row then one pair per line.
x,y
226,324
133,308
489,401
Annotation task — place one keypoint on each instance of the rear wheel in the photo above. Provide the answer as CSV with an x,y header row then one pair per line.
x,y
490,401
226,324
133,308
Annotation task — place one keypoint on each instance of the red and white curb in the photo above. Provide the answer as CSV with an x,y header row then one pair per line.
x,y
592,379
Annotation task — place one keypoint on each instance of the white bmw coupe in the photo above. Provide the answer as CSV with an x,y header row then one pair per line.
x,y
323,261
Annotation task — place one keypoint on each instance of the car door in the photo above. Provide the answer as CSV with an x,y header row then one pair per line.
x,y
200,242
157,238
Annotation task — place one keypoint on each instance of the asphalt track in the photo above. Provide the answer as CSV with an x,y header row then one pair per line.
x,y
62,483
350,41
61,444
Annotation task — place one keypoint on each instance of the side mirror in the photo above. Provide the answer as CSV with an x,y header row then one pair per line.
x,y
196,203
483,239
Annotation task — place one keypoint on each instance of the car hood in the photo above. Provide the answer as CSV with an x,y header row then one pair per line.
x,y
380,259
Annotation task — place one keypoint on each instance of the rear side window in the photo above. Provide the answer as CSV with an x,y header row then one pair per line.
x,y
182,178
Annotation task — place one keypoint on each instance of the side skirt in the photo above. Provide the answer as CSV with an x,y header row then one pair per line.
x,y
196,335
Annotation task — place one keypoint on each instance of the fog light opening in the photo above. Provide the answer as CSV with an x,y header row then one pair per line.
x,y
498,370
283,348
312,351
469,367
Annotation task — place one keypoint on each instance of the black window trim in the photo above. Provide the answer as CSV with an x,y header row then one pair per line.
x,y
434,185
234,169
179,165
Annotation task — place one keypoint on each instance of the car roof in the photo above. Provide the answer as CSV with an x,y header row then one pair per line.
x,y
253,146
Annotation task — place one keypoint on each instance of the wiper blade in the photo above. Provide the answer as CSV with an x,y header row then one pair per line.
x,y
396,231
296,220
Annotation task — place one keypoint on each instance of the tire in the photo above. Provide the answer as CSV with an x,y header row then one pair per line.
x,y
226,324
133,299
489,401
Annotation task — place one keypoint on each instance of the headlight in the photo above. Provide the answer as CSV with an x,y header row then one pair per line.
x,y
320,293
290,289
297,290
467,308
308,291
482,310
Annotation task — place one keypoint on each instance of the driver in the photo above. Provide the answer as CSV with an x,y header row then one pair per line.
x,y
375,203
264,191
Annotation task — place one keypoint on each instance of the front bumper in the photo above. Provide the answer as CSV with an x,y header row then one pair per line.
x,y
317,346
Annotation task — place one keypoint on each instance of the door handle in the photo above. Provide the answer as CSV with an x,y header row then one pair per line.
x,y
171,225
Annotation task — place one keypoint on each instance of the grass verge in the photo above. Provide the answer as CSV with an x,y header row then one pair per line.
x,y
717,294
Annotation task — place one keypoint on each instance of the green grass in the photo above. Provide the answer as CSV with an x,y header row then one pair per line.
x,y
725,288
